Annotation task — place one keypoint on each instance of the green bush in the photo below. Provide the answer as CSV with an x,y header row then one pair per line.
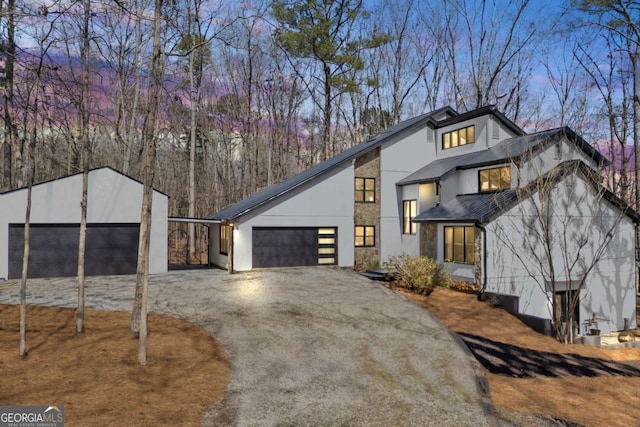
x,y
420,274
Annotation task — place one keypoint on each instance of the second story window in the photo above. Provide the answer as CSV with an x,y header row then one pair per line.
x,y
365,190
459,137
409,211
495,179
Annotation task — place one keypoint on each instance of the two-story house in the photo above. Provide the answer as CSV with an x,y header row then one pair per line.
x,y
471,190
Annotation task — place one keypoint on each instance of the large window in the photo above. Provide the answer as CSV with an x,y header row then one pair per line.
x,y
459,137
409,211
365,190
365,236
225,233
495,179
459,244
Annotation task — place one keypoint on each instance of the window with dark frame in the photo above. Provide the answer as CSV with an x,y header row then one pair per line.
x,y
225,232
494,179
459,137
409,212
459,244
365,236
365,190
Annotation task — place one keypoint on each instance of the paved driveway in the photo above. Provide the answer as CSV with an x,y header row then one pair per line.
x,y
312,346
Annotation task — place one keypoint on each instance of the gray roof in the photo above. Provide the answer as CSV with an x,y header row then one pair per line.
x,y
485,207
276,190
470,207
509,149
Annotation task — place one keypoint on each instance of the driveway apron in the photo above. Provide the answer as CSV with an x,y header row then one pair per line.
x,y
308,346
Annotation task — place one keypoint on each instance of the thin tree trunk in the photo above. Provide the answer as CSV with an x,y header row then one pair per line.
x,y
84,138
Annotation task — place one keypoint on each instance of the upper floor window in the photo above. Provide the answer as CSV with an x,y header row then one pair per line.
x,y
459,244
459,137
409,211
365,236
495,179
365,190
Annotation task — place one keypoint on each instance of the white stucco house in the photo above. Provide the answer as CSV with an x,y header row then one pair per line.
x,y
113,223
465,189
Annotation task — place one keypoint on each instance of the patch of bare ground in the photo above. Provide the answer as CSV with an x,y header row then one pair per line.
x,y
97,377
586,385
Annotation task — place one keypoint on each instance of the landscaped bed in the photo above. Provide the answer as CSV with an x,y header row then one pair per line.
x,y
97,376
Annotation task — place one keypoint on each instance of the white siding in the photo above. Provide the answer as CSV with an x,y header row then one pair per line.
x,y
549,158
480,143
398,159
411,242
579,215
112,198
326,202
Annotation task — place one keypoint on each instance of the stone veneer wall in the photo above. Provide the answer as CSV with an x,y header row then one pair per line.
x,y
368,166
477,267
429,240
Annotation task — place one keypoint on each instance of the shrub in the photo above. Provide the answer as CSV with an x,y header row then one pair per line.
x,y
420,274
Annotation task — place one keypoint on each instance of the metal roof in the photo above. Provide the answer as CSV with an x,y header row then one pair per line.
x,y
276,190
470,207
485,207
509,149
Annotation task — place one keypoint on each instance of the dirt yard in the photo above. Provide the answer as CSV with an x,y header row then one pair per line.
x,y
532,373
97,376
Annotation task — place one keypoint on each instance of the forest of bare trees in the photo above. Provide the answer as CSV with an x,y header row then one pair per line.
x,y
254,91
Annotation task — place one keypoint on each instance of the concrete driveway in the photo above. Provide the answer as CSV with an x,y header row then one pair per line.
x,y
308,346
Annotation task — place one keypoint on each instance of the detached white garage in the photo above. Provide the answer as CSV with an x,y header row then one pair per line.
x,y
113,224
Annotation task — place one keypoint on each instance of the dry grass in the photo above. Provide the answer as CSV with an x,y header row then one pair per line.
x,y
591,401
97,377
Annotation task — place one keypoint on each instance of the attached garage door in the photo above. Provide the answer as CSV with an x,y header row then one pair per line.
x,y
293,247
53,249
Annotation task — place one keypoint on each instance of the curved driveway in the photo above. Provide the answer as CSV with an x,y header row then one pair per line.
x,y
309,346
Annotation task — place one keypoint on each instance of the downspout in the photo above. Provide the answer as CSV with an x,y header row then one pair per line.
x,y
484,259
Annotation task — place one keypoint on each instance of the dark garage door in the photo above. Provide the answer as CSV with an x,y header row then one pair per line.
x,y
293,247
53,249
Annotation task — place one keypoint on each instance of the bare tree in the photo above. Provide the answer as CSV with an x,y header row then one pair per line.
x,y
139,314
567,226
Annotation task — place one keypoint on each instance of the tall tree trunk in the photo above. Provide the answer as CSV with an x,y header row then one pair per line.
x,y
194,92
11,133
84,140
25,256
139,315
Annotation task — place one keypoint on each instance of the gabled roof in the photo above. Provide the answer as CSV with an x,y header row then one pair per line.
x,y
276,190
503,152
485,207
489,109
80,173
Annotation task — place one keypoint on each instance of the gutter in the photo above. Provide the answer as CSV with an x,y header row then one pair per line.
x,y
484,259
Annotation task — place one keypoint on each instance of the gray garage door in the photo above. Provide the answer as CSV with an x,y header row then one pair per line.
x,y
293,247
53,249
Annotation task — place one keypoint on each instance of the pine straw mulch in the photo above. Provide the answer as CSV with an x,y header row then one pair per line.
x,y
97,376
535,373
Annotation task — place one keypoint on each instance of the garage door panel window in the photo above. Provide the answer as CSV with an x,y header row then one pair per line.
x,y
459,244
326,246
365,236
